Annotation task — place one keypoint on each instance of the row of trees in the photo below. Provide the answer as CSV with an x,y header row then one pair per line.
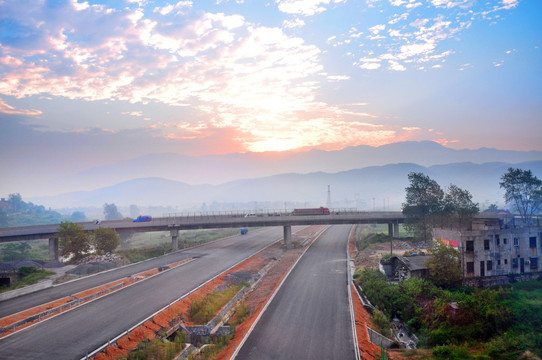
x,y
74,242
427,206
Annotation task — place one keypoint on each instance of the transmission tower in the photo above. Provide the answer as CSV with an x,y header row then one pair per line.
x,y
328,203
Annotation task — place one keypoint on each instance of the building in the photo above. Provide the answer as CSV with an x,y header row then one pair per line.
x,y
399,268
496,251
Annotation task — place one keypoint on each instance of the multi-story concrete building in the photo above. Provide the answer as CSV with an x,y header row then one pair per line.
x,y
497,251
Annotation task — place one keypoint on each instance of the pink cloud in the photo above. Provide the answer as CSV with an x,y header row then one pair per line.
x,y
8,109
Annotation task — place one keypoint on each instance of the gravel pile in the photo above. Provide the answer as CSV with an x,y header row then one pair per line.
x,y
91,268
101,258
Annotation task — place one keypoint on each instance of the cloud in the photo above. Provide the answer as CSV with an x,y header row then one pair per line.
x,y
290,24
338,77
305,7
377,28
235,74
415,37
8,109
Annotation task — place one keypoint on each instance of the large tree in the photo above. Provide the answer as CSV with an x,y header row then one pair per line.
x,y
111,212
444,265
423,205
73,241
524,191
105,240
459,210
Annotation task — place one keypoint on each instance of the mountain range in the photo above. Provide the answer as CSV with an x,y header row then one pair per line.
x,y
372,187
219,169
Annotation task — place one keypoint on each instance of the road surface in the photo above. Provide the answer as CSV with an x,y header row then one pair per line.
x,y
75,333
309,318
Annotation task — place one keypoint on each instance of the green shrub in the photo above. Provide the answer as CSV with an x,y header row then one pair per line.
x,y
381,322
451,352
201,311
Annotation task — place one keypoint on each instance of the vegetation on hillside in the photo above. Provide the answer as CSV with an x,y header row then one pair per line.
x,y
16,212
500,323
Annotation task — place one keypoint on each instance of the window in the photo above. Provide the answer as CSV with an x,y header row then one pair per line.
x,y
534,262
498,263
470,267
504,241
489,265
497,240
514,262
486,244
516,241
532,241
470,245
505,261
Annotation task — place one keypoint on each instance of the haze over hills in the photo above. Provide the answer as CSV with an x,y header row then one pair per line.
x,y
218,169
374,187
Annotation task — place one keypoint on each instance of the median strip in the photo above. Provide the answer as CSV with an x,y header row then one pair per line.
x,y
260,276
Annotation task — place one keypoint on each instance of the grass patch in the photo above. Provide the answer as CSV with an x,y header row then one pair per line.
x,y
241,313
215,347
157,349
141,247
201,311
28,276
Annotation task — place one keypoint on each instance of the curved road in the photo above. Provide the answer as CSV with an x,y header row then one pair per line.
x,y
309,318
78,332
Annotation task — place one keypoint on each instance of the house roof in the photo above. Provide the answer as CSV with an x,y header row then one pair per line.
x,y
416,262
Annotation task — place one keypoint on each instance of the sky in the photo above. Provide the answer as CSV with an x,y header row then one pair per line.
x,y
88,83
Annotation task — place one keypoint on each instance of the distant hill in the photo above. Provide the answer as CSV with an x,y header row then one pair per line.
x,y
378,187
218,169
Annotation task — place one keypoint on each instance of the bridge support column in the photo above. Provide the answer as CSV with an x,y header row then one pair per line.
x,y
390,230
174,239
288,236
396,230
53,248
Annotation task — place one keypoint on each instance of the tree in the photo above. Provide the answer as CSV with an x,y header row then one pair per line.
x,y
73,241
423,205
444,265
105,240
524,191
111,212
15,202
492,208
78,216
458,207
3,218
14,251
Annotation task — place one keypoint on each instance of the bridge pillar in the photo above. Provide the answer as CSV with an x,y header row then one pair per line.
x,y
288,235
390,230
396,230
53,248
174,239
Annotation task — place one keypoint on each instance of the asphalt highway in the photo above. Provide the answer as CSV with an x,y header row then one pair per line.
x,y
309,317
73,334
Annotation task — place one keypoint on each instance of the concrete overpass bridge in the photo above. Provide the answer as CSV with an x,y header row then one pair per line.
x,y
191,221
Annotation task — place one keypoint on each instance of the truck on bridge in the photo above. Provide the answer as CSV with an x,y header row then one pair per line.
x,y
312,211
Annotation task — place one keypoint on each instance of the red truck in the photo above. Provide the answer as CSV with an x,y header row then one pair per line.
x,y
313,211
